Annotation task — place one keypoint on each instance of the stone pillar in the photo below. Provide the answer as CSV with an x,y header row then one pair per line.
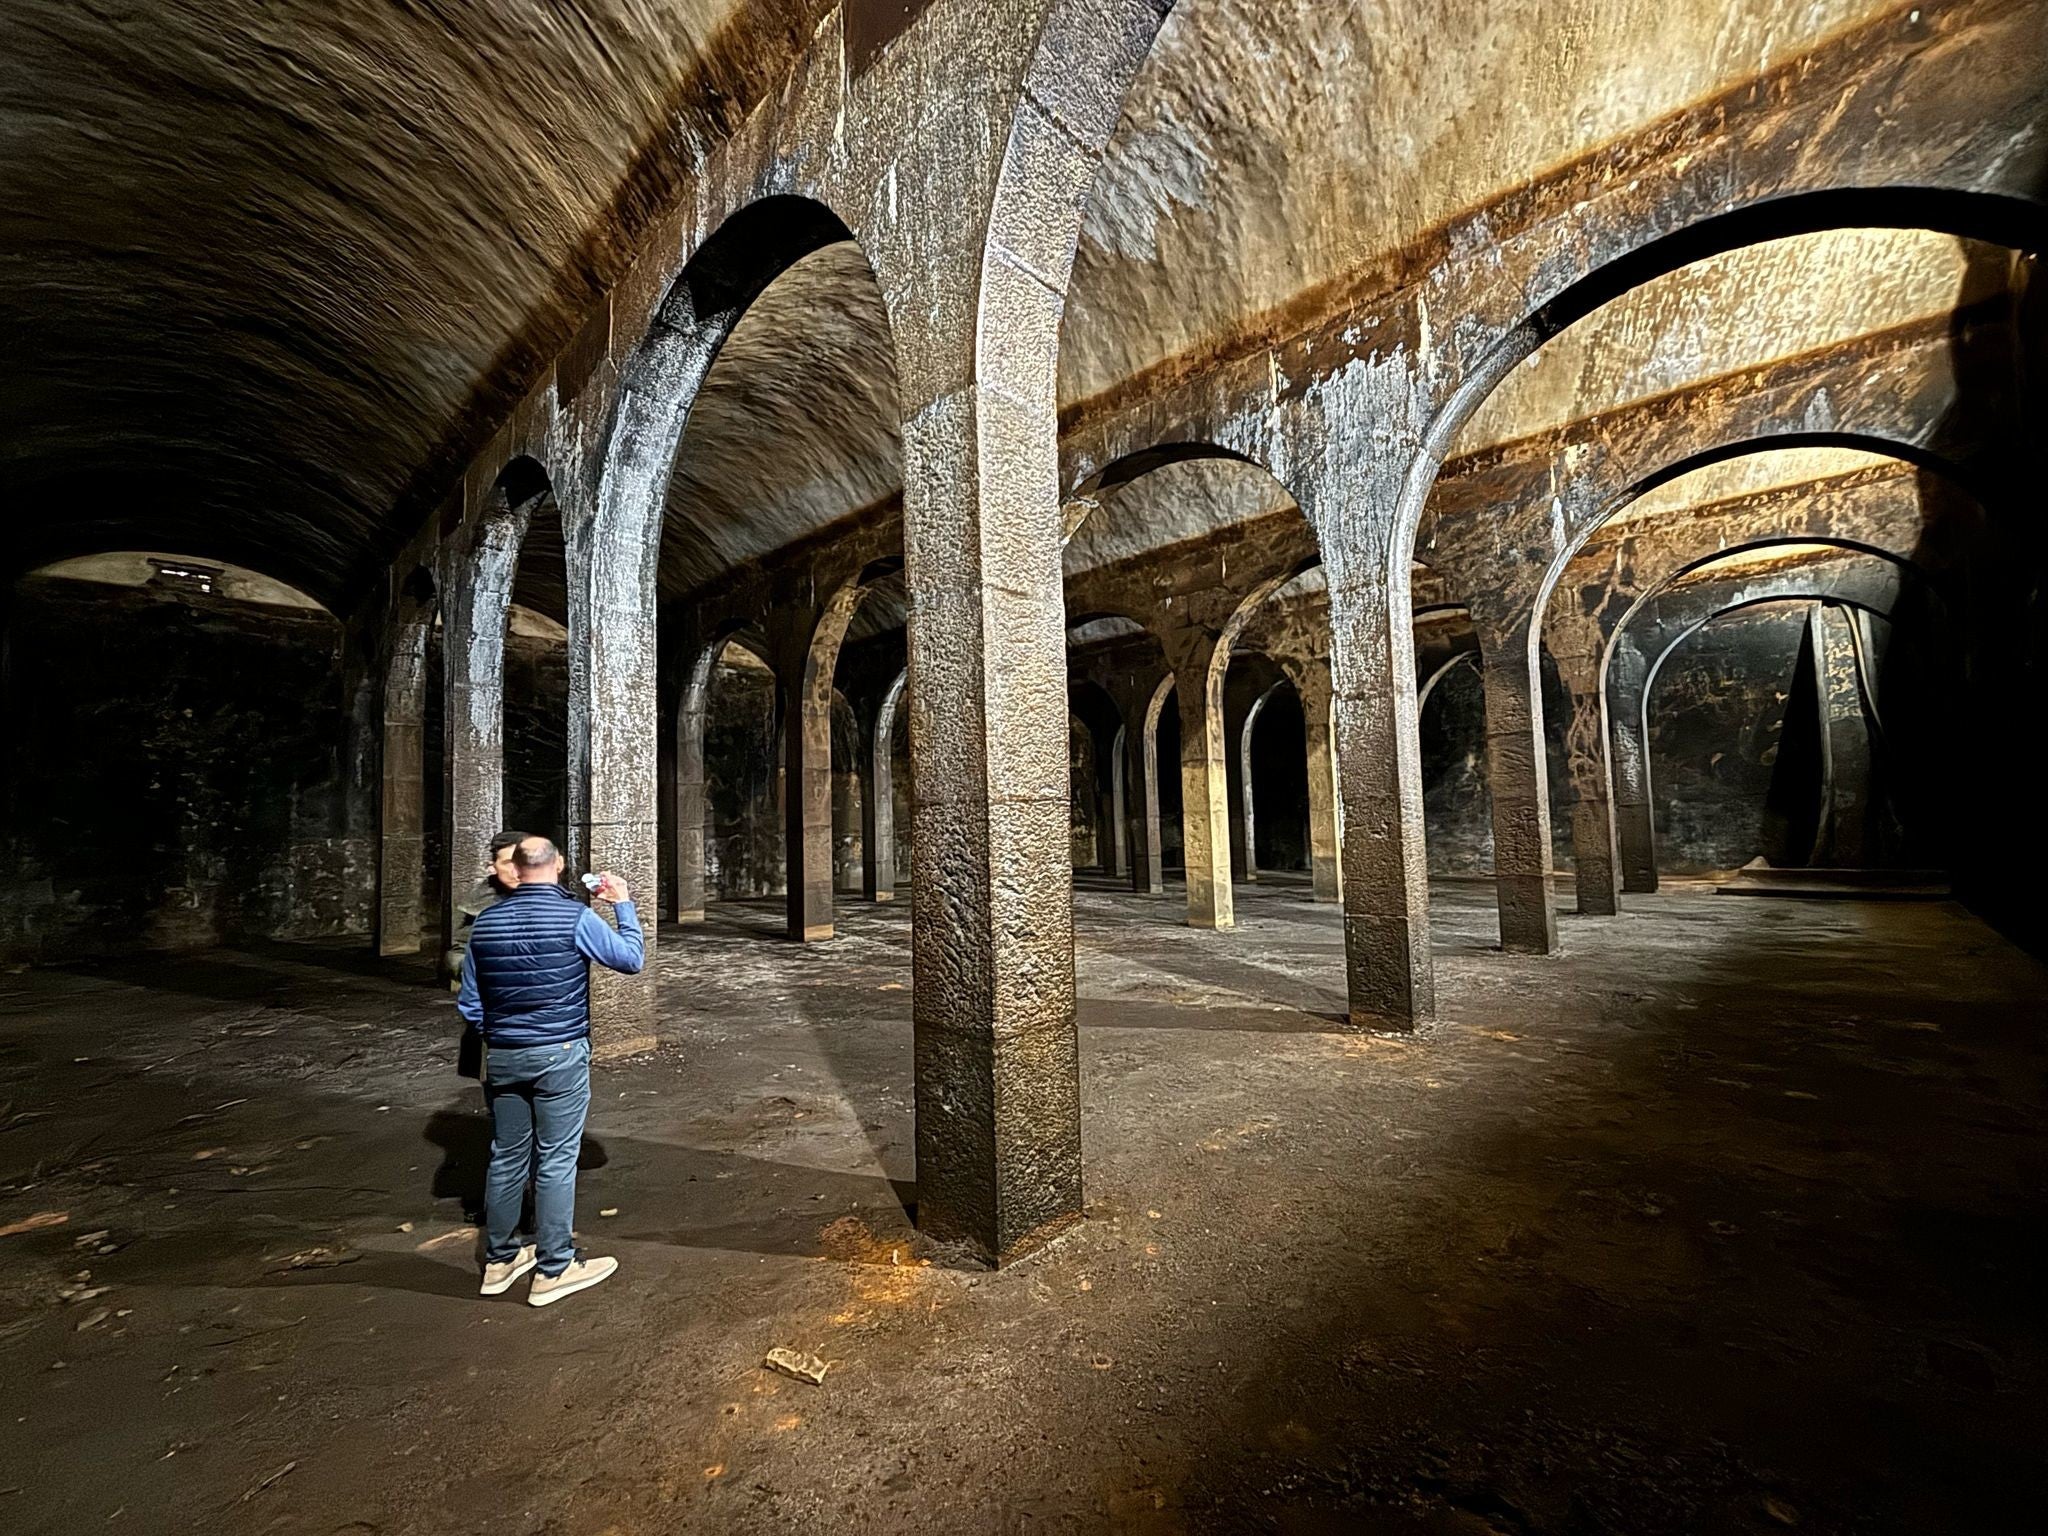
x,y
1119,813
1595,867
1141,825
1635,834
997,1056
1596,863
1205,792
806,657
973,238
848,814
1390,975
1324,808
478,598
1840,646
1244,818
878,798
686,790
613,539
1084,771
401,818
1577,646
1151,879
996,1053
1106,834
360,761
807,806
614,718
1515,767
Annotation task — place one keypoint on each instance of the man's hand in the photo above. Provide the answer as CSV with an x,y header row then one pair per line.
x,y
611,888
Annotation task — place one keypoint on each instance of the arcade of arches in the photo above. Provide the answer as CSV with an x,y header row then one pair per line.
x,y
1332,713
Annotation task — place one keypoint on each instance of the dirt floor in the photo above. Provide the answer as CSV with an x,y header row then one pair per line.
x,y
1726,1220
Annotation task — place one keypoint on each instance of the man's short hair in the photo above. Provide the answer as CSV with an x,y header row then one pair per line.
x,y
536,853
507,839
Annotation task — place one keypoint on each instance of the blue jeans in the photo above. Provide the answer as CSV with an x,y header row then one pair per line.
x,y
539,1096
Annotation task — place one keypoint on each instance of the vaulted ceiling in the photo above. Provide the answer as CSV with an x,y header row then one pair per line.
x,y
263,257
266,264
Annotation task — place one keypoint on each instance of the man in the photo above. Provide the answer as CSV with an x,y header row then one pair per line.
x,y
526,984
493,887
496,884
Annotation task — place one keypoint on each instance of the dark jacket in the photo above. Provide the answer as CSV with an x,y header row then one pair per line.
x,y
483,896
526,980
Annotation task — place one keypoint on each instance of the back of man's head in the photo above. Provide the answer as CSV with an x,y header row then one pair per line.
x,y
538,861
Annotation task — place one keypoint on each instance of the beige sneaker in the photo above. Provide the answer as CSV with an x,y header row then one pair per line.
x,y
581,1275
498,1278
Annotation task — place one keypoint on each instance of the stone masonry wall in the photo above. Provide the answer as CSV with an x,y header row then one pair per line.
x,y
1715,716
1718,711
175,776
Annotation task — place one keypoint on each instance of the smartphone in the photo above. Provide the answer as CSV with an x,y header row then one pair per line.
x,y
592,882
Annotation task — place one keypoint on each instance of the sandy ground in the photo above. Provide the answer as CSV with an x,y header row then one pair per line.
x,y
1726,1220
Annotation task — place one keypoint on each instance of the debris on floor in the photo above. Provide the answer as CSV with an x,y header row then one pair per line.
x,y
81,1288
274,1477
315,1258
35,1223
801,1366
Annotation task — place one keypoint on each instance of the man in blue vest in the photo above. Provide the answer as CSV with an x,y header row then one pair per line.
x,y
526,985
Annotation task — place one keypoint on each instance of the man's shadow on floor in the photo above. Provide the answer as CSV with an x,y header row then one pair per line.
x,y
463,1133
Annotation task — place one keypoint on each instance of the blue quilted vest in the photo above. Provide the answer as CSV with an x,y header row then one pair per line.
x,y
534,982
